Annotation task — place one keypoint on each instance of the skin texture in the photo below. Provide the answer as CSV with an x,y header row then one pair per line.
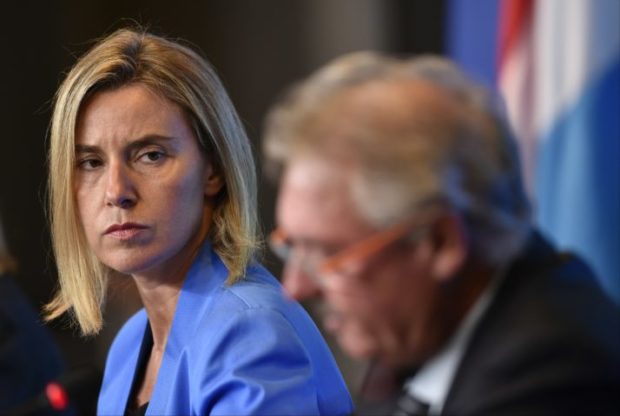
x,y
385,307
139,163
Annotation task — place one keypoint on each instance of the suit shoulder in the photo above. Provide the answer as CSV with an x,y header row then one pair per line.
x,y
549,339
257,290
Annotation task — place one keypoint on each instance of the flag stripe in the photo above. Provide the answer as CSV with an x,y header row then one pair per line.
x,y
579,178
515,18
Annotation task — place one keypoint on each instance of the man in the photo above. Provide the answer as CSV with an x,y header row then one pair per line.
x,y
401,206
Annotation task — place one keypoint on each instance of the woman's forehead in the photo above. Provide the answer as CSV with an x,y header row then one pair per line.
x,y
129,112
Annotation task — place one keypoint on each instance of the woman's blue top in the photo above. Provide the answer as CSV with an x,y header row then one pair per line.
x,y
243,349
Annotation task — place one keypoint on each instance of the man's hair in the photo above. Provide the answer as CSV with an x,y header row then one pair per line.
x,y
176,72
449,143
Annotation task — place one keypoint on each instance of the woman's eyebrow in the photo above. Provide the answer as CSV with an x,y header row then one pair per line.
x,y
133,145
148,140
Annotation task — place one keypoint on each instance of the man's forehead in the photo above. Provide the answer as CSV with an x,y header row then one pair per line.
x,y
315,199
316,173
319,183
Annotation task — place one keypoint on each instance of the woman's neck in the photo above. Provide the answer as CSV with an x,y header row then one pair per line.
x,y
159,289
160,304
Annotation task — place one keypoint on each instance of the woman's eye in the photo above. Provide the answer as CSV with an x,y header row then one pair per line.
x,y
152,156
89,164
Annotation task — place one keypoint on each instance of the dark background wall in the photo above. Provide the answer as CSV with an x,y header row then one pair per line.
x,y
258,47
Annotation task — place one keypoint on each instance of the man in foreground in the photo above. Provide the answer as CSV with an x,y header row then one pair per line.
x,y
401,206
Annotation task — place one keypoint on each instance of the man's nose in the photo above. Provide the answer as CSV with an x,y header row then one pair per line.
x,y
120,191
297,284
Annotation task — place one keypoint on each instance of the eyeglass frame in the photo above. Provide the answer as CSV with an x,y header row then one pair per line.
x,y
362,250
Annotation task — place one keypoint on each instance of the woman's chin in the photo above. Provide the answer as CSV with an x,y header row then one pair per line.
x,y
130,265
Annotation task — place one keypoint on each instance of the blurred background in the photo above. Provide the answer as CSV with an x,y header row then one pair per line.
x,y
261,47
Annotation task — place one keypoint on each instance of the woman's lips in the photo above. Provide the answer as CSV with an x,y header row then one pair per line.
x,y
125,231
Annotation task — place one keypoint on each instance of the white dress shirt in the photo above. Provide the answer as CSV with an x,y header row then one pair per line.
x,y
432,382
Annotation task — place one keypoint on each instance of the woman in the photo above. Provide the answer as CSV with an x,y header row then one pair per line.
x,y
151,175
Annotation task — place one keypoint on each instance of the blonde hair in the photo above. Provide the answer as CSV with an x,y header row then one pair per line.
x,y
452,146
181,75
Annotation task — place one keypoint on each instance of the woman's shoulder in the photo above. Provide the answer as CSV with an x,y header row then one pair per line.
x,y
257,291
254,331
258,288
258,295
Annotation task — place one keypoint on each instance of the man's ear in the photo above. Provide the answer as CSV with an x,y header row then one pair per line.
x,y
450,246
213,180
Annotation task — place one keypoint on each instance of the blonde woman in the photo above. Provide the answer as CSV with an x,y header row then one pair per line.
x,y
152,176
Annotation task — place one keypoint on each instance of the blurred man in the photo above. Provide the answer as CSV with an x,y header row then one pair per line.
x,y
401,206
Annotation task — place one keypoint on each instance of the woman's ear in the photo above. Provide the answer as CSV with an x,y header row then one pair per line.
x,y
450,246
213,180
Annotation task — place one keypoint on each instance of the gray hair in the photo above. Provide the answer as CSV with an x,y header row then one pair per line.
x,y
453,146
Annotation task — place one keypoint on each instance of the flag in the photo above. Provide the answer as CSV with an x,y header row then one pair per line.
x,y
558,68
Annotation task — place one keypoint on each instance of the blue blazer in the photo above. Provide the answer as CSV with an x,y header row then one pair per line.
x,y
232,350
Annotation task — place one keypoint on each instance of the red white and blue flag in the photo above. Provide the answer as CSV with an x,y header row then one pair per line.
x,y
557,64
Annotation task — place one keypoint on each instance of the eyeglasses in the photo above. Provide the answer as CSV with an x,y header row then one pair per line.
x,y
327,269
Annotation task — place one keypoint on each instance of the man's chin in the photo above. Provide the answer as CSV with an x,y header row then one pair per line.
x,y
357,348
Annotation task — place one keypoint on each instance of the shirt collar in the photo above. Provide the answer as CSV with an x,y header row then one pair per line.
x,y
432,382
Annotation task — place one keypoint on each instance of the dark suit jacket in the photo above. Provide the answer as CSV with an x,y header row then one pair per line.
x,y
549,344
28,357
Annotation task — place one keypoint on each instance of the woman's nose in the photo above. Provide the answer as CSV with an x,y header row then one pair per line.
x,y
120,191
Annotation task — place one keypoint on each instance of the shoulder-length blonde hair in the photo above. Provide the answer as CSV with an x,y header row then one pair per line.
x,y
178,73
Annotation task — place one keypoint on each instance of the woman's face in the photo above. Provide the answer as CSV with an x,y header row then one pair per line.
x,y
142,184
